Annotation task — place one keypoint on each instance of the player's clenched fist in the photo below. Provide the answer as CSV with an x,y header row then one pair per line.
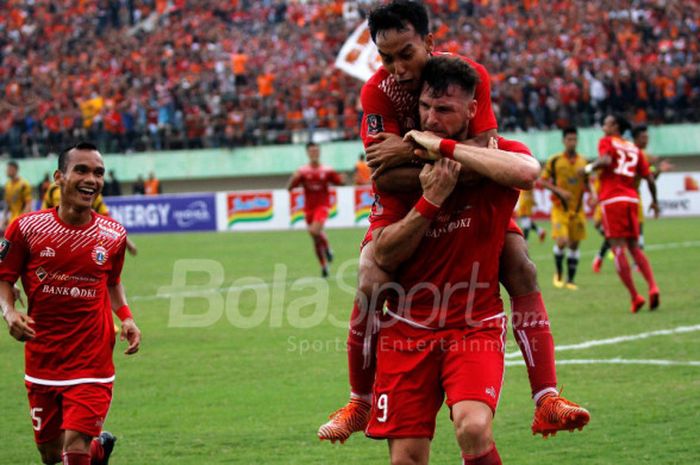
x,y
428,144
439,180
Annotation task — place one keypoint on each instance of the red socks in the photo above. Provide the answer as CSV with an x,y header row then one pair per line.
x,y
362,342
489,458
534,337
624,271
76,458
97,452
644,266
320,251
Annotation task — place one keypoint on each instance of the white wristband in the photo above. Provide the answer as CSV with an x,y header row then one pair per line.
x,y
588,169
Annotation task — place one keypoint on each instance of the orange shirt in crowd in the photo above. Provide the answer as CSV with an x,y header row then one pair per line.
x,y
363,175
238,63
151,186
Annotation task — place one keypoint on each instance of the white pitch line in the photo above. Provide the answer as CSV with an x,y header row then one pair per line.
x,y
647,248
618,339
616,361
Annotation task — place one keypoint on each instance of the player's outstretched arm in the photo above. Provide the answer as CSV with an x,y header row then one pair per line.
x,y
130,332
397,242
511,169
18,323
293,181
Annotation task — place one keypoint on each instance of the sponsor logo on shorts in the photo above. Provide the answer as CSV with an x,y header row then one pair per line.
x,y
75,292
491,391
48,252
99,255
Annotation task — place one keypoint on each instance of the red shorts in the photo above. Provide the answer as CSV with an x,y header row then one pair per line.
x,y
81,408
514,228
621,219
417,368
317,215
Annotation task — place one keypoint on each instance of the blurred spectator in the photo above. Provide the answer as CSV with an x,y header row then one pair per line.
x,y
362,174
43,186
139,187
152,185
112,188
216,73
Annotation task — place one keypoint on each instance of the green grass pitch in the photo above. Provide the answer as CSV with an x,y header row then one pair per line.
x,y
252,385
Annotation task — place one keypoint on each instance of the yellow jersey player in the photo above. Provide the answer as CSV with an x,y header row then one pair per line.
x,y
563,175
526,203
18,195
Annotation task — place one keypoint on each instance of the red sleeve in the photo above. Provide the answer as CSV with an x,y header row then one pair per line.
x,y
643,165
296,180
114,277
388,209
484,120
510,145
605,147
14,254
378,114
335,178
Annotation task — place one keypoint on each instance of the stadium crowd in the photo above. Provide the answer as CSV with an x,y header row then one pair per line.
x,y
156,74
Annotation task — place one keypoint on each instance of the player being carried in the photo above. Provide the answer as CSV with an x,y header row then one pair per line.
x,y
620,163
563,175
400,29
444,246
70,261
316,180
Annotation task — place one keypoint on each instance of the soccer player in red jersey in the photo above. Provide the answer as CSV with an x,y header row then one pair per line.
x,y
620,163
70,260
444,335
400,29
316,179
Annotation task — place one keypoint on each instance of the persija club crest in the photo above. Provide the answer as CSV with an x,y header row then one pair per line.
x,y
99,255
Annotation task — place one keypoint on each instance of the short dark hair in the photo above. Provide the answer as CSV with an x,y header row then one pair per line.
x,y
569,130
399,14
63,156
638,130
311,144
13,164
441,72
622,124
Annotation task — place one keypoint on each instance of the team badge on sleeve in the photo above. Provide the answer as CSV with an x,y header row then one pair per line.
x,y
4,248
99,255
375,124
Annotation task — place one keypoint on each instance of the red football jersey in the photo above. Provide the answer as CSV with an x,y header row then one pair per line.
x,y
65,271
452,278
387,107
316,182
618,180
